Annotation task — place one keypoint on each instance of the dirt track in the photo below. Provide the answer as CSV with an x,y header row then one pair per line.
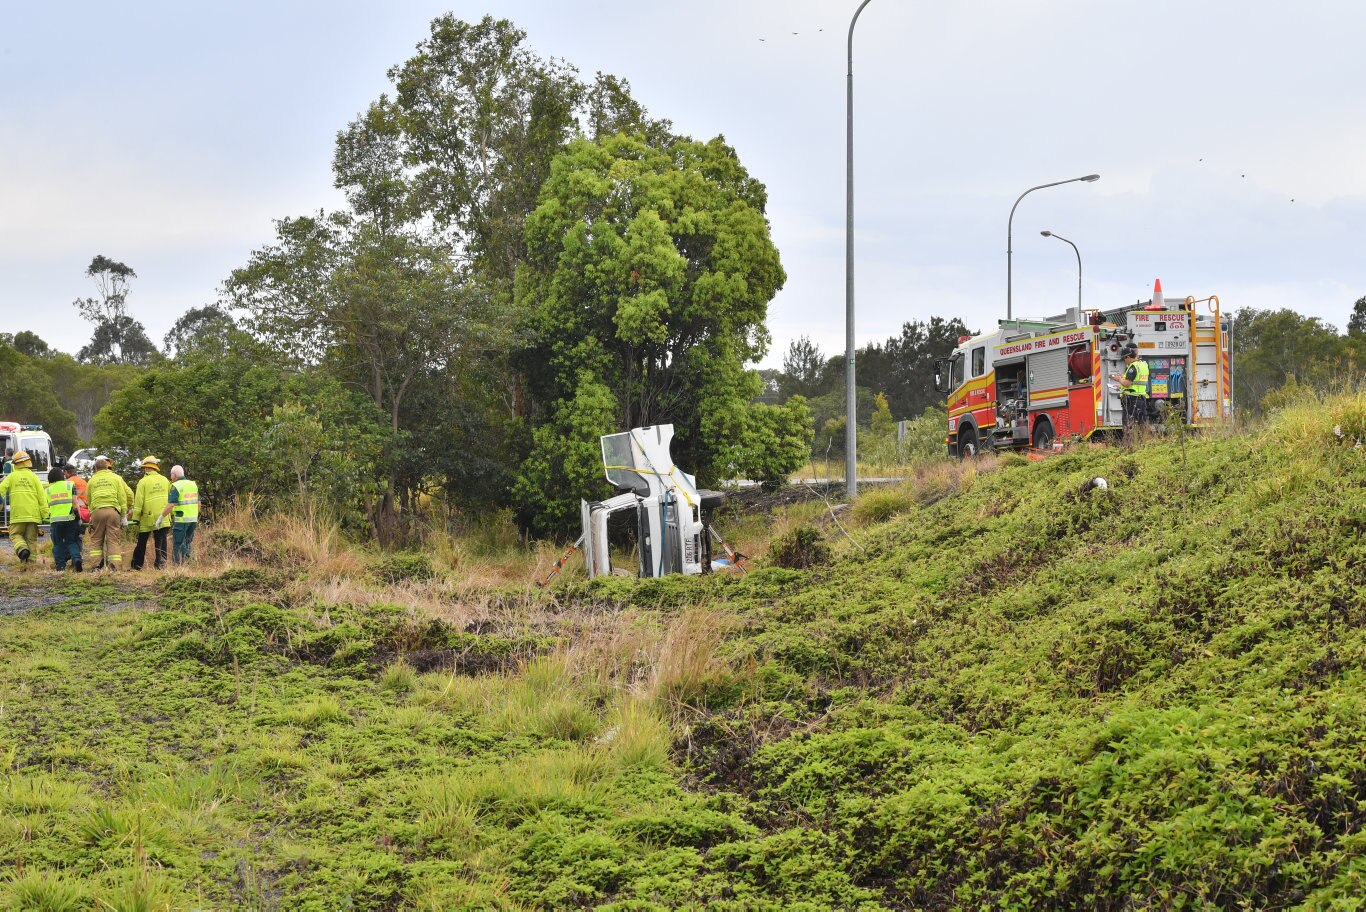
x,y
26,600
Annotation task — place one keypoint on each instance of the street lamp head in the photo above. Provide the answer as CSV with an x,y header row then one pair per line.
x,y
1046,233
1091,177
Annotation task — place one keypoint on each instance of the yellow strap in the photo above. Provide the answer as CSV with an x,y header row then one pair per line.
x,y
668,474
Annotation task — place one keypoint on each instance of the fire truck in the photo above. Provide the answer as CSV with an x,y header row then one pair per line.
x,y
1034,383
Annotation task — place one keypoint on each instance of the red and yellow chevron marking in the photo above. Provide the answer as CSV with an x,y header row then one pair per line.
x,y
1097,382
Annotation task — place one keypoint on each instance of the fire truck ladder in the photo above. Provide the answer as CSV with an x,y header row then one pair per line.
x,y
1218,339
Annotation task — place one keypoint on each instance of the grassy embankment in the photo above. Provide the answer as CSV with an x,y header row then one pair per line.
x,y
1004,694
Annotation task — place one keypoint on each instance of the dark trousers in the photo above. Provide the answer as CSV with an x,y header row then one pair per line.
x,y
66,543
1135,410
140,552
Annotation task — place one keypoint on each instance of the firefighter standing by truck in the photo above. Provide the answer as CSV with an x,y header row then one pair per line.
x,y
149,511
1134,393
110,501
26,496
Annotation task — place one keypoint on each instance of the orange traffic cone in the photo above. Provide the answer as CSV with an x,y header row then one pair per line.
x,y
1158,303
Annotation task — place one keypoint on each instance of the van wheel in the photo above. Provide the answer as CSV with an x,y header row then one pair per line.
x,y
967,442
1043,434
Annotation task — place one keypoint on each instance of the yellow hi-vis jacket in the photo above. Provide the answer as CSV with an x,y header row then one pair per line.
x,y
106,489
26,496
1138,385
150,501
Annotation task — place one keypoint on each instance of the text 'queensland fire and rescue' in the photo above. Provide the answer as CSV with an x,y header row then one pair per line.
x,y
1040,344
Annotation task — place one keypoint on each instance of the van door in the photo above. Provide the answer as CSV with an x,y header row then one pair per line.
x,y
39,449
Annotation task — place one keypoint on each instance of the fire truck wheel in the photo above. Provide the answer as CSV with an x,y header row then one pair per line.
x,y
1043,434
967,442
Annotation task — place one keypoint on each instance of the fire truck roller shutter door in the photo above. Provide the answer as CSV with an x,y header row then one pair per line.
x,y
1048,378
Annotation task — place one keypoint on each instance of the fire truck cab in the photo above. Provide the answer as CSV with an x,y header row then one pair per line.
x,y
1030,383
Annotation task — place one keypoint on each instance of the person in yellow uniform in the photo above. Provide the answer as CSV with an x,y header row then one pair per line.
x,y
110,499
183,500
1134,394
26,496
149,512
64,504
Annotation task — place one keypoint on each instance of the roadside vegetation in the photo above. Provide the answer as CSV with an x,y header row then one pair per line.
x,y
995,691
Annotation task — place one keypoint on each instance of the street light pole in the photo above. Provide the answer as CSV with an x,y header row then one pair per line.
x,y
850,401
1078,253
1010,225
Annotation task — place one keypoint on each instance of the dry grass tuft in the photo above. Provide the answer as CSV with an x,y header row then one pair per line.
x,y
687,663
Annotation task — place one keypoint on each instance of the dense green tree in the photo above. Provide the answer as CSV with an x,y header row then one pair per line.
x,y
334,445
82,389
457,423
803,366
206,329
828,413
1271,346
220,418
375,305
121,340
207,414
475,121
646,289
31,344
466,142
26,396
566,458
778,437
1356,324
902,368
118,338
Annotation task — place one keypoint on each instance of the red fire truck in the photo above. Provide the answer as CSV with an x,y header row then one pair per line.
x,y
1030,383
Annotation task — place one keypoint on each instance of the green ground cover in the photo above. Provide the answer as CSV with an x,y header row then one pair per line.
x,y
1006,694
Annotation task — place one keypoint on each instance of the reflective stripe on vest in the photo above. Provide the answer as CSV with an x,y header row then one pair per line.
x,y
61,497
1139,386
186,509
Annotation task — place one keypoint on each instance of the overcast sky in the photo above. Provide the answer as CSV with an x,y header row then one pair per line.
x,y
1230,136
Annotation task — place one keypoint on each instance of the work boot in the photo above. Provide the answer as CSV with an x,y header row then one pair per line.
x,y
75,566
23,554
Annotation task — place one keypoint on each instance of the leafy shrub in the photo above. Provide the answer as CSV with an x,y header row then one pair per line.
x,y
239,545
235,579
800,549
402,567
